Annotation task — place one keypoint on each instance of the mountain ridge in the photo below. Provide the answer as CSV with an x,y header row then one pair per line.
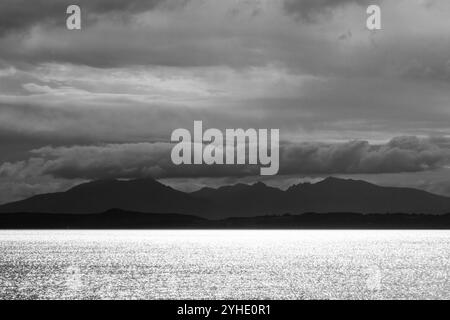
x,y
240,200
120,219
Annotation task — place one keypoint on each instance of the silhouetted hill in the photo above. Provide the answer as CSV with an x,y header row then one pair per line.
x,y
242,200
331,195
111,219
328,196
119,219
143,195
339,220
339,195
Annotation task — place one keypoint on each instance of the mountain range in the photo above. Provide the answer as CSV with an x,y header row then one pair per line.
x,y
331,195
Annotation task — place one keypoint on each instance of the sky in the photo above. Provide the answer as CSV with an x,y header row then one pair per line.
x,y
101,102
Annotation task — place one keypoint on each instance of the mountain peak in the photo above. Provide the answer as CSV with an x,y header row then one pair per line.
x,y
333,181
113,184
148,195
259,184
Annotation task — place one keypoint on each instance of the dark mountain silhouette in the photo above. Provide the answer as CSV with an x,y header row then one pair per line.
x,y
119,219
327,196
331,195
242,200
339,195
143,195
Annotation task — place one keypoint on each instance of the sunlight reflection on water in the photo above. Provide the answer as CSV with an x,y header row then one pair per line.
x,y
224,264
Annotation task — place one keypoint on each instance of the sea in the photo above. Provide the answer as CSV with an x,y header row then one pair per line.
x,y
225,264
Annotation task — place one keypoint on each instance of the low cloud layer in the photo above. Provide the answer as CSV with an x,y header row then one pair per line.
x,y
402,154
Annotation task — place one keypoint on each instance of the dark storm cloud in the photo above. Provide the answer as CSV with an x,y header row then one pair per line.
x,y
309,10
401,154
133,160
23,14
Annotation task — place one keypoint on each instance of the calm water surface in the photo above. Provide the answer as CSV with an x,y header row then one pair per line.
x,y
224,264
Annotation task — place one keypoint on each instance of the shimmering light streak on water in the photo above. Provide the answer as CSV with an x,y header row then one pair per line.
x,y
224,264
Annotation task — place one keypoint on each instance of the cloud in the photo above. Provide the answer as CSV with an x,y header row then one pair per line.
x,y
23,14
401,154
34,88
7,72
67,104
310,10
108,161
134,160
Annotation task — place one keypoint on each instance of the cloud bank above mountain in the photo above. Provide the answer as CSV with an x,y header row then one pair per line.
x,y
402,154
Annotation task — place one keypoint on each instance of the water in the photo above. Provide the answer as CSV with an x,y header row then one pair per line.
x,y
224,264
